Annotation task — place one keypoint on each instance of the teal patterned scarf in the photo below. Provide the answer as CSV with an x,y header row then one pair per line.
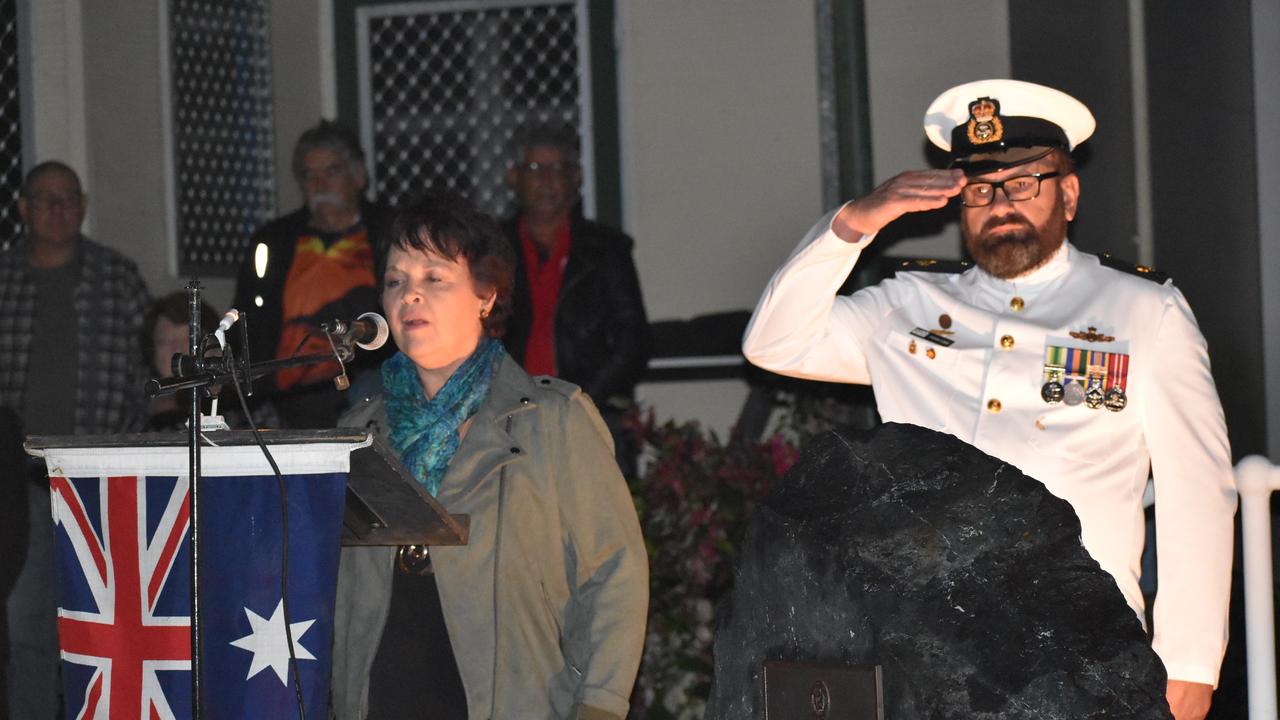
x,y
425,432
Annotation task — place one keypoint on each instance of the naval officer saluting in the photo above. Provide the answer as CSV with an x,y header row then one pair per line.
x,y
1083,374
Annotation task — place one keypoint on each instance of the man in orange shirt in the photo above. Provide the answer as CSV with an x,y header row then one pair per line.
x,y
311,266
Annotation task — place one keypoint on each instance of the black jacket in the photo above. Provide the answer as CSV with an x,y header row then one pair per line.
x,y
265,322
601,331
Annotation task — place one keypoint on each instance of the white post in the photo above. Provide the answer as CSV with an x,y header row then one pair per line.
x,y
1256,478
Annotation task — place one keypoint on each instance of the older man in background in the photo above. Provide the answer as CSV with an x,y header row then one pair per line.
x,y
311,266
71,314
578,313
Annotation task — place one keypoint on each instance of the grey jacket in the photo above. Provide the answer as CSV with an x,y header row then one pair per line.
x,y
546,605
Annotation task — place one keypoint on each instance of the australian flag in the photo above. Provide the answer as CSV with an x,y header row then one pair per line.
x,y
124,617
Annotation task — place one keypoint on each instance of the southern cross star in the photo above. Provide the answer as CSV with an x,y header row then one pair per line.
x,y
267,642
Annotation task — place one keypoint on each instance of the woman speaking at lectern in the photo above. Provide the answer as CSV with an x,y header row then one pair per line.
x,y
542,614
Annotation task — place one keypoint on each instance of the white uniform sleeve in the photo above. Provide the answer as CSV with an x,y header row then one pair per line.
x,y
1195,500
800,327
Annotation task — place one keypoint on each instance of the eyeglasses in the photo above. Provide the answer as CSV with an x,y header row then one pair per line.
x,y
538,168
48,202
1016,189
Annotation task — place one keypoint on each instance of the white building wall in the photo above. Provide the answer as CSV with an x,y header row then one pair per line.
x,y
53,105
915,50
719,112
122,94
718,103
301,88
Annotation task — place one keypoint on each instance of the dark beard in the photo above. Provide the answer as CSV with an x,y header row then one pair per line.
x,y
1014,252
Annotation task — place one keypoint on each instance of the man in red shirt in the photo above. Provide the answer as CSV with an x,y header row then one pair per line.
x,y
578,313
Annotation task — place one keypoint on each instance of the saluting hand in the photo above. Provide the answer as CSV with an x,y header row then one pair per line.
x,y
908,192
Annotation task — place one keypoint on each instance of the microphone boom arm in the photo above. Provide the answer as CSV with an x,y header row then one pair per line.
x,y
221,373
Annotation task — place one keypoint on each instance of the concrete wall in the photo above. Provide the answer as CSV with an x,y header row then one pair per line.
x,y
53,77
915,50
721,176
122,91
719,124
298,85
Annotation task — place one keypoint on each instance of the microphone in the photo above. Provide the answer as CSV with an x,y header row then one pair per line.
x,y
369,331
232,316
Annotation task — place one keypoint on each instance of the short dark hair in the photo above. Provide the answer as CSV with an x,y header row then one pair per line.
x,y
173,307
332,136
445,223
44,168
558,135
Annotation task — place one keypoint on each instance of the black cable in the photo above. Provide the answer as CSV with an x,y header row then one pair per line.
x,y
284,557
301,344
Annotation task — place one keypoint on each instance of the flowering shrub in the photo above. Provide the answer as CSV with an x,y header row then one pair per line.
x,y
693,498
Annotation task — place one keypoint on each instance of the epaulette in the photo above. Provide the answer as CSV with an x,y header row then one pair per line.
x,y
1142,271
563,387
931,265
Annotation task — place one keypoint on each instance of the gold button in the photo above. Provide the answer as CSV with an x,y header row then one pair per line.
x,y
1017,304
931,353
1006,342
911,347
994,405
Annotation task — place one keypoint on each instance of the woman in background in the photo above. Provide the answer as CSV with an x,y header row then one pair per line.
x,y
542,614
165,334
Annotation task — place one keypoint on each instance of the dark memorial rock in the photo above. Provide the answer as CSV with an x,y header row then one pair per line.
x,y
960,576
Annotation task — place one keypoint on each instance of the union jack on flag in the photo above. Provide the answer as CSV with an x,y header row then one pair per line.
x,y
124,593
124,596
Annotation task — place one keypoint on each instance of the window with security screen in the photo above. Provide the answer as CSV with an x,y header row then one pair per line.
x,y
221,124
10,125
444,86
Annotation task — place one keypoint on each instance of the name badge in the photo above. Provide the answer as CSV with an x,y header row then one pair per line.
x,y
933,337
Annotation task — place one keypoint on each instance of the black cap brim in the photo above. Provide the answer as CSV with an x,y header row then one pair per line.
x,y
989,162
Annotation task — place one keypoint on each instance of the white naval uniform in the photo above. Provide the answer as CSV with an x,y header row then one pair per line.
x,y
1096,459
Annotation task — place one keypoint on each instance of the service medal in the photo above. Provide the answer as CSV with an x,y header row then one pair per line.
x,y
1073,393
1051,392
1117,377
1093,397
1096,362
1115,400
1075,372
1054,359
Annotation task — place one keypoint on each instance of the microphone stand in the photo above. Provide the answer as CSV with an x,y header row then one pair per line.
x,y
195,373
196,346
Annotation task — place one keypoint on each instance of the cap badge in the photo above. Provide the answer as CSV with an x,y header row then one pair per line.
x,y
984,121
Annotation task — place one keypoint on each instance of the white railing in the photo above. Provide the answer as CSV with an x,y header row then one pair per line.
x,y
1256,478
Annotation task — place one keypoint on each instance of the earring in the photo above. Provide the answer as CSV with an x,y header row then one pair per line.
x,y
484,313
